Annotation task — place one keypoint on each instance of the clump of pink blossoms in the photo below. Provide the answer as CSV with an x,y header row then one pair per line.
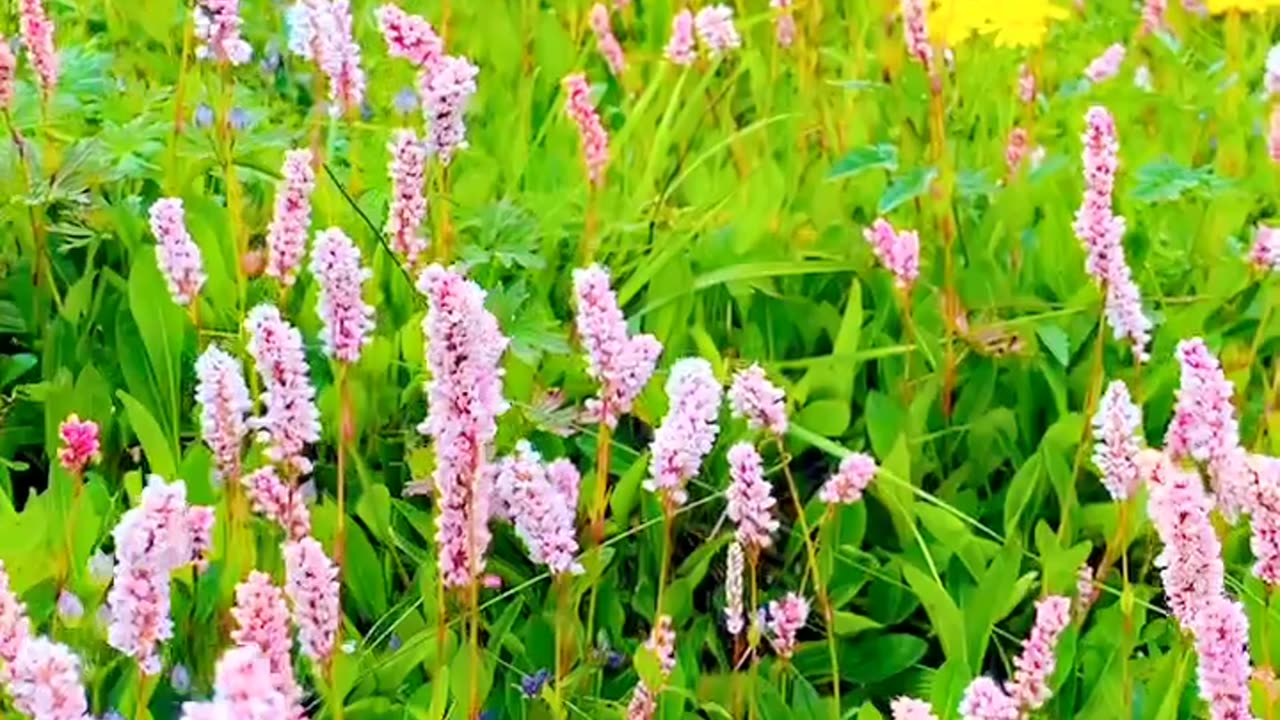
x,y
217,30
347,320
291,218
1117,429
243,689
915,31
1026,84
1016,149
680,48
594,139
290,420
1222,651
733,613
905,708
1265,253
324,34
1264,518
408,170
984,699
1190,563
445,92
176,253
539,509
311,582
410,37
1204,426
44,682
899,252
15,627
464,353
1273,135
8,71
606,42
750,498
1107,65
1034,666
37,34
761,403
716,31
80,444
783,619
688,431
622,364
224,404
784,23
1153,15
277,502
262,622
846,486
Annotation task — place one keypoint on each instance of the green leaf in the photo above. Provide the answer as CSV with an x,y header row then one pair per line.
x,y
829,418
161,325
875,657
906,188
1056,342
944,615
847,623
1165,181
154,443
868,157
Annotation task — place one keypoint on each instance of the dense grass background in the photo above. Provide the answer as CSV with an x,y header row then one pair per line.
x,y
731,219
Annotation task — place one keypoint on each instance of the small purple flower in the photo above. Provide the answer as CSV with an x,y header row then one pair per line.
x,y
203,116
70,609
180,678
531,685
406,101
395,643
240,119
101,567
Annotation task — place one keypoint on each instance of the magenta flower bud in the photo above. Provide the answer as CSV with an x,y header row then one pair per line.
x,y
761,403
1107,65
785,617
80,444
347,320
224,405
622,364
899,252
716,31
750,498
846,486
606,42
446,88
1117,431
44,682
37,35
688,431
408,170
217,32
905,708
287,233
312,586
290,420
176,253
410,37
594,139
680,48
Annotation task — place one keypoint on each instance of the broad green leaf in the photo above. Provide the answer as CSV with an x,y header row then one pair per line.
x,y
906,188
944,615
868,157
154,442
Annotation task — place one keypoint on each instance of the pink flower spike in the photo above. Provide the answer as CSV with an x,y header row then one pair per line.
x,y
244,689
312,586
1271,80
662,643
224,405
217,30
262,622
1204,426
1191,568
733,614
761,403
1264,519
1026,84
1016,149
984,699
1117,431
80,444
290,420
276,502
905,708
409,37
37,35
643,705
8,71
915,31
750,498
621,364
1107,65
408,170
567,481
688,431
1265,253
680,47
291,219
15,627
1086,589
176,253
338,55
784,23
446,88
606,42
44,681
716,30
543,518
785,618
1273,135
594,139
1153,16
464,353
1223,669
846,486
1030,686
347,319
899,252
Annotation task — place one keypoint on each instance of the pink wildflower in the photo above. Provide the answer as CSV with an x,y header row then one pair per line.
x,y
244,689
662,643
1190,564
80,444
784,23
594,138
445,91
760,402
37,34
408,169
1264,518
262,622
1153,15
1026,84
845,487
1035,665
1222,646
688,431
1086,588
606,42
1016,149
680,48
338,55
567,480
621,364
643,705
905,708
178,256
785,618
543,518
1204,426
15,627
217,30
984,699
287,233
409,36
1273,135
1107,65
311,582
1117,429
278,503
44,681
464,352
899,252
224,404
1271,80
716,32
733,589
750,498
290,420
347,319
8,70
1265,254
915,31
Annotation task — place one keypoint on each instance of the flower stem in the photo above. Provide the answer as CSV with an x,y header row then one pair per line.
x,y
604,446
560,587
344,409
668,519
179,104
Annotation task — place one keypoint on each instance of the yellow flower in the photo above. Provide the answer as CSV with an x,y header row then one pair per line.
x,y
951,22
1218,7
1014,23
